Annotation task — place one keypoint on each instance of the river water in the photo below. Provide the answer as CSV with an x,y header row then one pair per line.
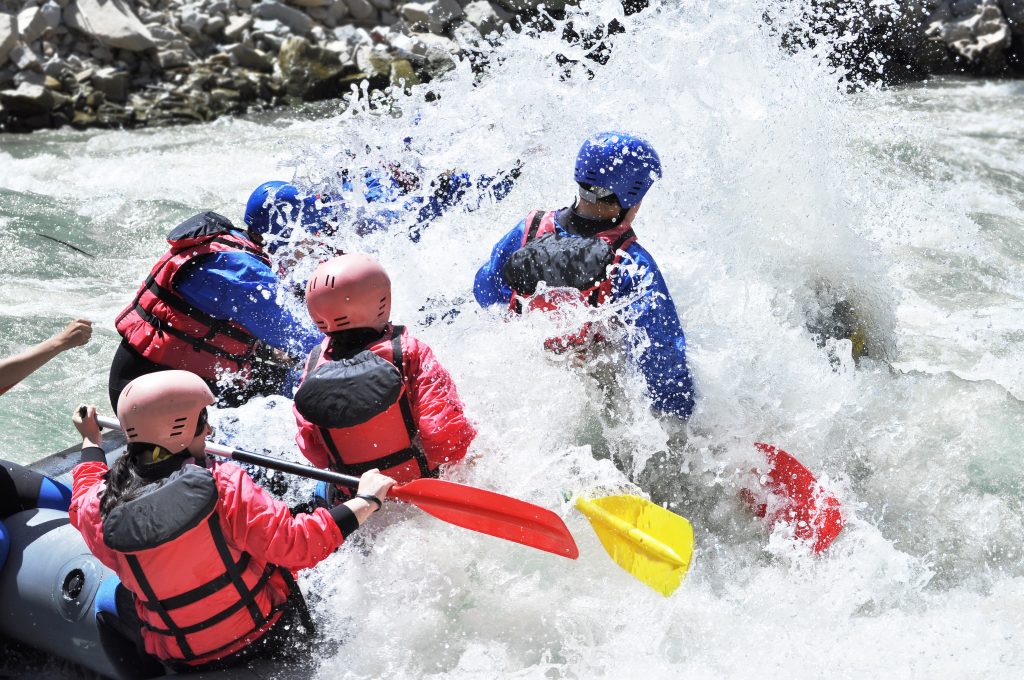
x,y
908,202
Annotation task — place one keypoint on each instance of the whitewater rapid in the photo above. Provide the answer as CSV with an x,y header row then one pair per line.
x,y
907,202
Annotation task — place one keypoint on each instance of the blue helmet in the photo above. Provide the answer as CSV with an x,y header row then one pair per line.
x,y
620,164
274,207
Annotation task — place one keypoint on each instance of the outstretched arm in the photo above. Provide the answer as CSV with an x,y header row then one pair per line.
x,y
15,369
239,287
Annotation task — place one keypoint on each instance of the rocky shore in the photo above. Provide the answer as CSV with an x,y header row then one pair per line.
x,y
904,40
132,63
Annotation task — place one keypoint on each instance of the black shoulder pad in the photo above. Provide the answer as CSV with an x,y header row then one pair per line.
x,y
349,391
561,262
203,224
173,506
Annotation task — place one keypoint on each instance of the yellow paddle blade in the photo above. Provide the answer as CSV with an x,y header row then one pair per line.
x,y
645,539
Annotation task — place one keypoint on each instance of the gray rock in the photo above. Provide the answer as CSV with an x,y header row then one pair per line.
x,y
164,34
237,25
270,26
56,67
192,21
467,37
248,57
289,16
978,31
111,22
434,16
320,13
175,57
112,83
25,58
426,45
63,3
337,10
361,9
30,77
218,7
310,3
8,36
486,17
31,24
352,35
383,4
52,13
215,25
27,100
243,4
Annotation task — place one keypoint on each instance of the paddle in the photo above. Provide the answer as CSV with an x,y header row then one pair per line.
x,y
795,496
65,243
645,539
465,506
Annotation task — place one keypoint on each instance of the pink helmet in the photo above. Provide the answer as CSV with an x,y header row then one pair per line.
x,y
349,291
163,408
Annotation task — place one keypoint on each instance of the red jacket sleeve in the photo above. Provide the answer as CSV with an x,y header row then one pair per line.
x,y
310,443
256,522
84,477
443,428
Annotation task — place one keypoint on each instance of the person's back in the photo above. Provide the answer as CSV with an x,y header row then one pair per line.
x,y
206,554
591,248
372,395
209,307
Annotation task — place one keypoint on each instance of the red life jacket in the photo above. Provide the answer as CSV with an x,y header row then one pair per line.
x,y
171,537
619,239
386,435
163,327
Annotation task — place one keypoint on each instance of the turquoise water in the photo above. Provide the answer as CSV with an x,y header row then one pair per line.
x,y
908,201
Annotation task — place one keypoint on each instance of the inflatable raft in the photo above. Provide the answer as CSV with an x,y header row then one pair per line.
x,y
50,585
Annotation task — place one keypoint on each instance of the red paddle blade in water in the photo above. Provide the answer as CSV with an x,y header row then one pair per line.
x,y
490,513
812,511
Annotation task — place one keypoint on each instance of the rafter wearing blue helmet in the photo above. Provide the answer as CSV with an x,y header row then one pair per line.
x,y
581,247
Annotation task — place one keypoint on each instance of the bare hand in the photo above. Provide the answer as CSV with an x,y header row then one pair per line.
x,y
75,334
84,419
374,483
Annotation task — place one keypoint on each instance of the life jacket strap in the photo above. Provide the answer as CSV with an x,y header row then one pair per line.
x,y
232,576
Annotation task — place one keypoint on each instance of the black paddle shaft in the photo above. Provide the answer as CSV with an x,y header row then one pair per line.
x,y
291,468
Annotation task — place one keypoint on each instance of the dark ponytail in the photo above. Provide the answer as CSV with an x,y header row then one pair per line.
x,y
128,476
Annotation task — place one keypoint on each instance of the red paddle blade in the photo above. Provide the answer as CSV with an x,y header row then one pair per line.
x,y
490,513
801,501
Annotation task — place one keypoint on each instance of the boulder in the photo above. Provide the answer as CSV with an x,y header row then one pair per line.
x,y
192,22
112,83
31,24
976,31
52,13
28,100
361,9
215,25
110,22
294,19
486,17
8,36
337,10
237,25
309,71
25,58
248,57
433,16
403,74
174,55
310,3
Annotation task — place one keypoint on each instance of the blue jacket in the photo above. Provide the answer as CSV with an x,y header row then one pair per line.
x,y
238,286
663,362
